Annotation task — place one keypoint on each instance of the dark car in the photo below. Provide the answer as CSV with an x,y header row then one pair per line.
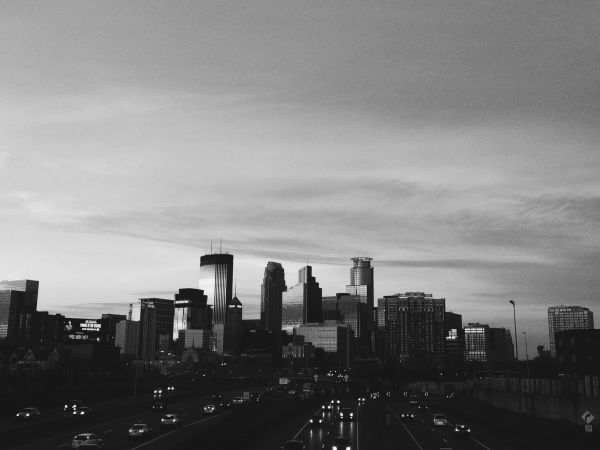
x,y
29,413
159,406
170,420
461,431
217,398
340,443
317,420
293,445
407,417
346,414
82,411
70,405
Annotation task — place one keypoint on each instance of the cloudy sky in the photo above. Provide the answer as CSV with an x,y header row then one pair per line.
x,y
455,142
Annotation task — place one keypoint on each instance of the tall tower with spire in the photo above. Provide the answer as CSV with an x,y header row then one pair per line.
x,y
271,291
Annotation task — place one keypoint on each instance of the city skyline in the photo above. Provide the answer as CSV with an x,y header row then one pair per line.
x,y
456,145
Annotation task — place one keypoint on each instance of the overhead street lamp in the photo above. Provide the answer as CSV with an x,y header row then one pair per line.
x,y
512,302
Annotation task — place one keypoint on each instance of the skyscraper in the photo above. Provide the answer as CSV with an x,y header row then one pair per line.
x,y
156,325
361,280
414,326
563,318
271,292
477,342
216,280
302,303
233,326
127,337
350,310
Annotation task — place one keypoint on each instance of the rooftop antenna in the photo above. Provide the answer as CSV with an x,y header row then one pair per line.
x,y
211,246
129,315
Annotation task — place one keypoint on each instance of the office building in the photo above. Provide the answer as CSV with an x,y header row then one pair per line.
x,y
47,328
414,326
578,351
216,280
477,342
16,310
563,318
501,349
196,339
233,326
110,326
302,303
334,339
127,337
156,326
191,312
361,280
271,292
351,310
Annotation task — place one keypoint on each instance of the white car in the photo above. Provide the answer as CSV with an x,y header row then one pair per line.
x,y
238,400
139,430
87,440
82,411
210,409
440,420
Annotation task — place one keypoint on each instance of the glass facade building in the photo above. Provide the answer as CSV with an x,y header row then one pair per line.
x,y
191,311
361,280
10,302
127,335
332,338
271,293
21,314
414,326
564,318
350,310
216,280
302,303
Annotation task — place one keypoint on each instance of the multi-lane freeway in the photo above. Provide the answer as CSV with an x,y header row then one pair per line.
x,y
377,424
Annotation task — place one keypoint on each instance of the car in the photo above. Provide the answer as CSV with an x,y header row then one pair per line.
x,y
407,417
159,406
87,440
423,407
139,430
209,409
70,405
226,404
317,420
340,443
255,397
170,388
413,400
158,392
361,400
82,411
29,413
170,420
440,420
238,400
217,398
293,445
346,414
461,431
327,407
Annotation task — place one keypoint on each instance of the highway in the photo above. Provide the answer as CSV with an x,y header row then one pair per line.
x,y
268,424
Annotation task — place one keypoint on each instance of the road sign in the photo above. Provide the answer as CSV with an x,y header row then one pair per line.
x,y
588,428
246,395
587,417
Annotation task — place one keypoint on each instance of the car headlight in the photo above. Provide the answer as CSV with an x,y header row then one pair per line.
x,y
26,414
468,430
320,420
131,430
348,448
66,406
456,429
311,421
334,447
351,415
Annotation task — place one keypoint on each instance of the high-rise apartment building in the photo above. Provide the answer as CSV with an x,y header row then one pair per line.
x,y
271,292
216,280
563,318
361,280
455,339
302,303
156,325
414,326
191,312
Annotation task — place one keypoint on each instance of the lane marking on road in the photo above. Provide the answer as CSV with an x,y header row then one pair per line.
x,y
480,443
406,429
108,431
357,422
173,431
304,426
62,445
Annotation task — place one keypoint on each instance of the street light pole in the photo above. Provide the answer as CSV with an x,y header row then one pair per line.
x,y
512,302
526,352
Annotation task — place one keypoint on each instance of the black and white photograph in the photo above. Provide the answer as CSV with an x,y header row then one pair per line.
x,y
299,224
